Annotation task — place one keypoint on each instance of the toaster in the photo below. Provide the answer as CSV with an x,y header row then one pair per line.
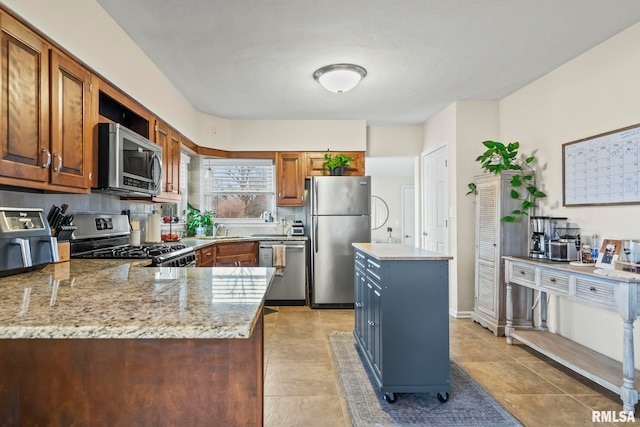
x,y
297,229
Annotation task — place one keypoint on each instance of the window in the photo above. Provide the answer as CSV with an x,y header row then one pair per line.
x,y
239,188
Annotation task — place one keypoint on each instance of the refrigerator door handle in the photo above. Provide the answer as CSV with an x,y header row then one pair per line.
x,y
314,208
315,236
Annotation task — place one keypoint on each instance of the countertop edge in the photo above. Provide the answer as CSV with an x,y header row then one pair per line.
x,y
399,252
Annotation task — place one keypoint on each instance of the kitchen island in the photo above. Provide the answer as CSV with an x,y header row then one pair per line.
x,y
401,317
107,342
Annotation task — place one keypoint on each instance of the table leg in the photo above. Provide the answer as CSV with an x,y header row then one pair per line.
x,y
509,326
543,311
628,393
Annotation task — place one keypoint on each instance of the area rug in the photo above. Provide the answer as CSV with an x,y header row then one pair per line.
x,y
468,405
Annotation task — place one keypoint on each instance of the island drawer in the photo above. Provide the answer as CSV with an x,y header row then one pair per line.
x,y
360,259
373,268
554,281
596,291
522,274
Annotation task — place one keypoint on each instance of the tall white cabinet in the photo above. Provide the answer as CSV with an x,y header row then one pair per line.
x,y
494,239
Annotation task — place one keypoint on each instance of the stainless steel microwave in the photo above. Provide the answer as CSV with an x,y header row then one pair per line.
x,y
128,163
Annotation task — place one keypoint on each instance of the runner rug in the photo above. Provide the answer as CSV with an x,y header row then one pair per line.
x,y
468,405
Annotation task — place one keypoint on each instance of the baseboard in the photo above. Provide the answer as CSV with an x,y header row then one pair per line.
x,y
459,314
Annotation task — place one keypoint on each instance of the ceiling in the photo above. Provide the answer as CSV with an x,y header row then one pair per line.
x,y
251,59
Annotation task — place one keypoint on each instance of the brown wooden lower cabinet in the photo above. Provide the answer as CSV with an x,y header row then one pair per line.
x,y
205,257
234,254
128,382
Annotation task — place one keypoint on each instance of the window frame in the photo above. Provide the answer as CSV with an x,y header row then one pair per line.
x,y
207,196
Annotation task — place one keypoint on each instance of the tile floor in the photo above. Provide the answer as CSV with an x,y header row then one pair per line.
x,y
302,388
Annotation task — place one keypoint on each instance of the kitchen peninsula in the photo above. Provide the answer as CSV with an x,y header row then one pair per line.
x,y
108,342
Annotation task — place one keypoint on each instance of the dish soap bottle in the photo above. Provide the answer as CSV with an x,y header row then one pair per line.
x,y
594,247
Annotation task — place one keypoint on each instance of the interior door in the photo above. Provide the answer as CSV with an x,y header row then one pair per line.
x,y
435,235
408,215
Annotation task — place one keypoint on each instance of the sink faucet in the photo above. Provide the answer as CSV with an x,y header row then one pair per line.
x,y
216,227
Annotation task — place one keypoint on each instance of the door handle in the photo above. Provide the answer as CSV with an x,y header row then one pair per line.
x,y
406,236
424,233
59,167
315,240
46,163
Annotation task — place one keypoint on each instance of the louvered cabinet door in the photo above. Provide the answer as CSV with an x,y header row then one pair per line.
x,y
495,239
487,249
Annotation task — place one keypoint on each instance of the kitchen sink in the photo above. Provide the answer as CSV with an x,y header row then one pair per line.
x,y
268,235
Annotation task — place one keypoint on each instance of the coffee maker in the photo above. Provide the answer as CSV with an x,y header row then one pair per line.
x,y
565,240
540,232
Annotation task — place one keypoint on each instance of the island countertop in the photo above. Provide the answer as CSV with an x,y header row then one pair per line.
x,y
399,252
116,299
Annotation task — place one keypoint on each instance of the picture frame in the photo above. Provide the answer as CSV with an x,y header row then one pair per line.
x,y
609,253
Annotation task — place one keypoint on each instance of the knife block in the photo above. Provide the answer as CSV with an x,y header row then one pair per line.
x,y
64,251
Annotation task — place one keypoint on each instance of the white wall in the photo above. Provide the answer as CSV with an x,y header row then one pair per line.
x,y
595,93
391,162
391,141
298,135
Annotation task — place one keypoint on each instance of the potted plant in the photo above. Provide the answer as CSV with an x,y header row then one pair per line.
x,y
499,157
336,164
199,223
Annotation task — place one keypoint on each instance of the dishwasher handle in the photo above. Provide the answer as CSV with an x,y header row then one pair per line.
x,y
287,246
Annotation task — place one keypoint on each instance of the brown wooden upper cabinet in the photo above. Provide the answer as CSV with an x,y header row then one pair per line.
x,y
315,162
290,179
169,140
44,114
71,123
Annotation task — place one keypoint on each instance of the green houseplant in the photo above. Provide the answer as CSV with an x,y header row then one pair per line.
x,y
499,157
199,223
336,164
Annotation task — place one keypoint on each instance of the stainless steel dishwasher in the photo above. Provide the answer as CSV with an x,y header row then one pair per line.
x,y
290,288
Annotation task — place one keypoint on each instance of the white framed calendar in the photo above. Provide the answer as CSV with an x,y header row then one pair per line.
x,y
602,169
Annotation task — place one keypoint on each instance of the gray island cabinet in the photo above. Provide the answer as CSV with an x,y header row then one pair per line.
x,y
109,343
401,317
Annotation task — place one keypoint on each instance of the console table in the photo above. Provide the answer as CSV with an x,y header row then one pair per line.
x,y
582,285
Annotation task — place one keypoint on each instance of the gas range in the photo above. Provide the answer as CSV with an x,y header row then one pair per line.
x,y
107,237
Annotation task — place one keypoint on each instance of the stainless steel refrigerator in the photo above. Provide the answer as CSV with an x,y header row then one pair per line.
x,y
339,215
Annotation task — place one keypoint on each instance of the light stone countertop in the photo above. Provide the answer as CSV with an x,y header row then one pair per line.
x,y
198,243
399,252
569,268
121,299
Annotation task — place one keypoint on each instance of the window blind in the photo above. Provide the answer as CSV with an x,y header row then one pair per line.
x,y
240,176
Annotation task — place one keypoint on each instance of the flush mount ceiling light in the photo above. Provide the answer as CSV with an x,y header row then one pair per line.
x,y
339,78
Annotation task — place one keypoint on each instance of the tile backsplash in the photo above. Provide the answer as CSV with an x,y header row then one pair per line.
x,y
107,203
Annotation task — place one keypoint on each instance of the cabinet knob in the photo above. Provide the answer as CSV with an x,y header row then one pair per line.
x,y
592,289
522,272
552,280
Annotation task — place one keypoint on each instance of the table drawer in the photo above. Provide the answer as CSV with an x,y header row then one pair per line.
x,y
554,281
597,292
522,274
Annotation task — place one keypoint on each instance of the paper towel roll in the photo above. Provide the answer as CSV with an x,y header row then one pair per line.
x,y
153,228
